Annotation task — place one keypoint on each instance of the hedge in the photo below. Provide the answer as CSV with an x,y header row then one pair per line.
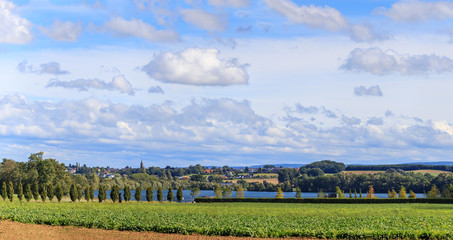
x,y
327,200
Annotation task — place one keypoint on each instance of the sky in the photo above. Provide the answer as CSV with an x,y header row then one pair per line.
x,y
226,82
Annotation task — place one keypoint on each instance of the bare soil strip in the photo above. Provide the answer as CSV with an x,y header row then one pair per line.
x,y
19,231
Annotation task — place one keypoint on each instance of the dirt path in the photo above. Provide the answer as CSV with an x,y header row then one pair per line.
x,y
19,231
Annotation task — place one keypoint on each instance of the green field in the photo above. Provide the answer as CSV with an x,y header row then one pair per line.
x,y
359,221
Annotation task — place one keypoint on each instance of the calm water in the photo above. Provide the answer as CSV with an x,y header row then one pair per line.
x,y
247,194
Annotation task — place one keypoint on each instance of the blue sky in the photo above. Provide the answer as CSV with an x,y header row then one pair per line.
x,y
226,82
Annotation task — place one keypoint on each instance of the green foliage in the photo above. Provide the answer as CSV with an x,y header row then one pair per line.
x,y
321,194
218,191
433,193
50,191
298,193
59,192
73,192
327,166
227,192
412,195
392,194
3,192
149,194
43,192
257,220
350,193
28,194
102,195
279,193
115,193
20,192
170,195
160,195
138,194
91,191
339,192
179,195
79,192
35,191
239,192
86,193
127,193
10,191
402,193
194,192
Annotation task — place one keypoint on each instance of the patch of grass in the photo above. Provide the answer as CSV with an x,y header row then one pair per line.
x,y
359,221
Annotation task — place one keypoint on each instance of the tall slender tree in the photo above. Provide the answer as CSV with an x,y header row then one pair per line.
x,y
20,192
10,191
87,193
127,193
43,192
239,192
73,192
59,192
298,193
160,195
102,195
28,194
170,195
91,193
114,193
50,191
35,191
138,194
79,191
3,192
279,193
179,195
149,194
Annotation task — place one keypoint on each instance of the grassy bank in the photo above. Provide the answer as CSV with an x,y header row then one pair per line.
x,y
408,221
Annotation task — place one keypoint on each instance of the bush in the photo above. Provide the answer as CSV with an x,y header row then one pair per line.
x,y
329,200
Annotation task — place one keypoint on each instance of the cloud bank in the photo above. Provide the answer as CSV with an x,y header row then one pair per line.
x,y
415,10
118,83
371,91
379,62
13,28
45,68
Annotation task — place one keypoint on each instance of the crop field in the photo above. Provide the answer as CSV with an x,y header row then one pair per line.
x,y
359,221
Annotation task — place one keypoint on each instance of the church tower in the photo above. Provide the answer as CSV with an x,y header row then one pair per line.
x,y
142,167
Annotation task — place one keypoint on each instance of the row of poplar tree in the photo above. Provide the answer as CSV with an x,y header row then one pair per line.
x,y
76,193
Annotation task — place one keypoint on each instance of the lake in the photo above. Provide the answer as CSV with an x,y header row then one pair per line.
x,y
247,194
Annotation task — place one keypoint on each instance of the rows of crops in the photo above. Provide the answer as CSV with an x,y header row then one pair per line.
x,y
408,221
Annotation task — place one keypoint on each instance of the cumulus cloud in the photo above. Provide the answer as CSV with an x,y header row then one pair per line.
x,y
118,83
204,20
326,17
196,66
376,61
389,113
13,28
350,120
63,31
137,28
415,10
45,68
371,91
155,89
230,3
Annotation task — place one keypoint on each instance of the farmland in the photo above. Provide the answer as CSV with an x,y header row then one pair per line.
x,y
246,219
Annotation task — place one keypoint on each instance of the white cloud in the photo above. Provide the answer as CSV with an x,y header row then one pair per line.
x,y
137,28
118,83
326,17
45,68
204,20
232,3
63,31
195,66
371,91
376,61
375,121
13,28
415,10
